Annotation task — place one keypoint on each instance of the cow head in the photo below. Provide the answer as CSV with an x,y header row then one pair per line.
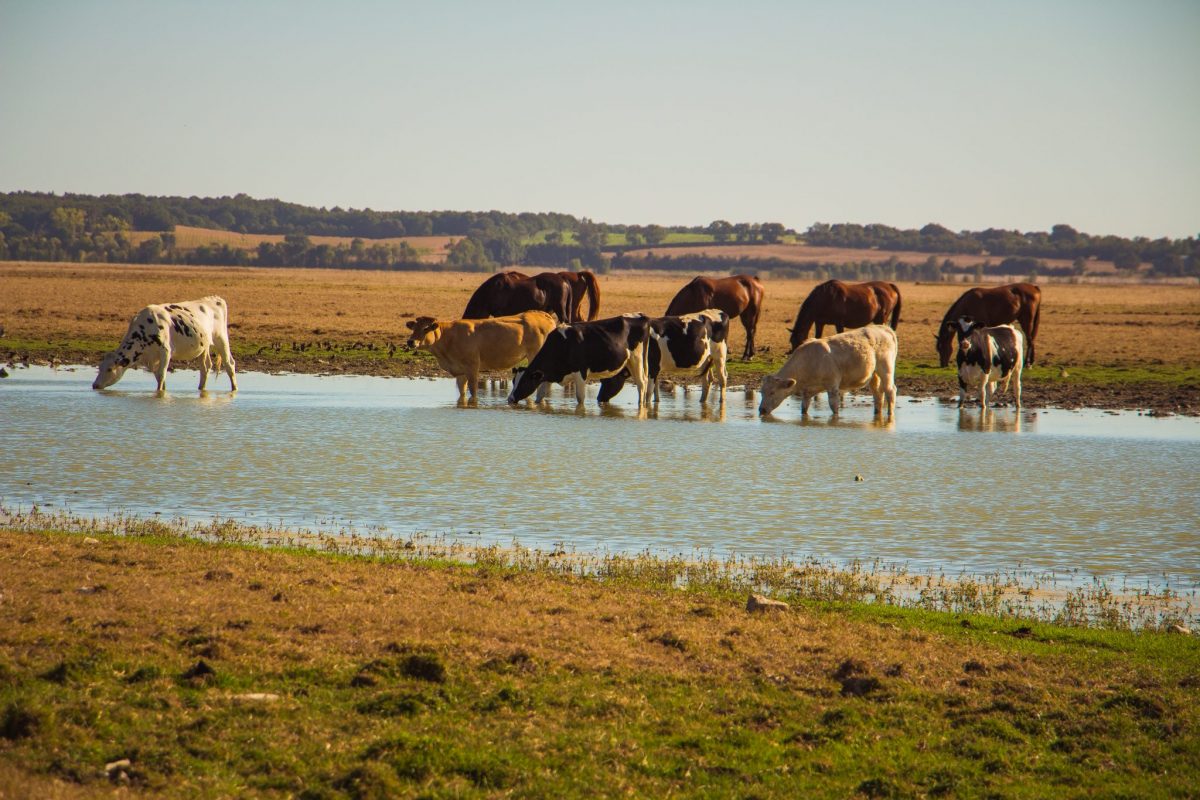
x,y
112,367
425,333
549,364
524,382
774,391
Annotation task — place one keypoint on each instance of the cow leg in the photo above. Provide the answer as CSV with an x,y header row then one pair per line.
x,y
835,400
160,372
805,397
225,355
749,323
580,388
542,391
877,394
473,383
205,366
461,382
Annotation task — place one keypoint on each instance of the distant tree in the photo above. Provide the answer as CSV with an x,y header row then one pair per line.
x,y
591,235
1064,235
68,223
468,254
720,230
772,232
1127,260
655,234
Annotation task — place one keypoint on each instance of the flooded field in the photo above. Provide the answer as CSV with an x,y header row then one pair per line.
x,y
1073,493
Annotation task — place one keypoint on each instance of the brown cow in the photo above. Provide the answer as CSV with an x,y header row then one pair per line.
x,y
738,296
467,347
1000,305
846,305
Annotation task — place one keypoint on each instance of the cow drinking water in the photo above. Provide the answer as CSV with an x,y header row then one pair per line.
x,y
159,333
599,349
847,360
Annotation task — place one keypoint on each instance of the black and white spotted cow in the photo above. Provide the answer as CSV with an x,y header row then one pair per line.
x,y
688,344
600,349
182,331
986,357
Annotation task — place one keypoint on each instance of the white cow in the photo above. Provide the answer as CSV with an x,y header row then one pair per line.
x,y
848,360
176,330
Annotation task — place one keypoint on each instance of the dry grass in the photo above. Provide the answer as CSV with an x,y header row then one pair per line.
x,y
1128,326
543,684
433,248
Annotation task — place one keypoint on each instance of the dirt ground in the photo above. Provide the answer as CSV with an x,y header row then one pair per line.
x,y
1127,346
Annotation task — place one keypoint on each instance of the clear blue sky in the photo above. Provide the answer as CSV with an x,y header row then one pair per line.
x,y
969,114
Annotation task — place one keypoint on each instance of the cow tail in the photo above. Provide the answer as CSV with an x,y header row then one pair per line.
x,y
896,310
1037,318
593,293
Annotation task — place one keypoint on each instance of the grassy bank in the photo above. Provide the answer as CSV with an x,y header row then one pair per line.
x,y
224,668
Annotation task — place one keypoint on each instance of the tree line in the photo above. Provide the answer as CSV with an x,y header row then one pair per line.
x,y
1166,256
40,226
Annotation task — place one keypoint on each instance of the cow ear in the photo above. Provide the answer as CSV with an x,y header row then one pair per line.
x,y
411,325
576,334
788,383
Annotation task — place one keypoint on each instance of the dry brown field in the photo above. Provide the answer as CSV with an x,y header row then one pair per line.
x,y
800,253
1081,324
433,249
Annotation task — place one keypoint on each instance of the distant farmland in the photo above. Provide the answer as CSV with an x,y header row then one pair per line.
x,y
433,249
802,254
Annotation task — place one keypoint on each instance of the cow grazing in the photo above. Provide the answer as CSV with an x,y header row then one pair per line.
x,y
180,331
600,349
467,347
987,356
844,361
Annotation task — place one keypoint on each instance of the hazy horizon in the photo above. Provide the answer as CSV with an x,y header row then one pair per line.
x,y
1017,115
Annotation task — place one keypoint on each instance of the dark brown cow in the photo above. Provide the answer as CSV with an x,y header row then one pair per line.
x,y
738,296
583,284
511,292
846,305
1000,305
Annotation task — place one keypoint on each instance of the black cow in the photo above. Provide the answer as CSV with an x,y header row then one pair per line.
x,y
599,349
987,356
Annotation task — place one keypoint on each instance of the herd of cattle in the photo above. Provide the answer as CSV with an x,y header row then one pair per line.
x,y
537,320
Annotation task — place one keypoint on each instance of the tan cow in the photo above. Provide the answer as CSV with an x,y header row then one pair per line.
x,y
467,347
848,360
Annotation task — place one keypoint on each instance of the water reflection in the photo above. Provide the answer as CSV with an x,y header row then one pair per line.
x,y
989,420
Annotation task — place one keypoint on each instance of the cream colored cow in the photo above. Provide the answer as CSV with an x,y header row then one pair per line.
x,y
836,364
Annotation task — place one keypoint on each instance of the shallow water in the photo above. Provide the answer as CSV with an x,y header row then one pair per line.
x,y
1079,493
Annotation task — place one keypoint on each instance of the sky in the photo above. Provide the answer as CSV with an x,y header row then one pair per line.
x,y
1018,115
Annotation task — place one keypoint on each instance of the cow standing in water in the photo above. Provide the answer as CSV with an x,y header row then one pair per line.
x,y
467,347
738,296
844,361
599,349
987,356
182,331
